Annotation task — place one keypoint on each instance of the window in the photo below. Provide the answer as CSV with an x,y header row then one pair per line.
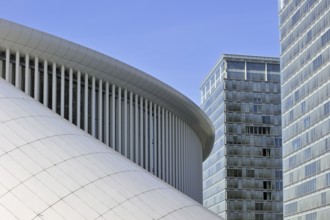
x,y
257,130
327,179
259,206
291,115
266,152
317,62
279,185
311,216
234,173
267,185
255,66
266,119
249,173
259,217
278,174
303,106
307,122
257,100
278,142
290,208
327,108
296,144
312,168
325,38
236,65
324,198
257,108
305,188
267,195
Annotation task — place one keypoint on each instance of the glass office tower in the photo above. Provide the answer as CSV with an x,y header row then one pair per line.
x,y
243,175
305,74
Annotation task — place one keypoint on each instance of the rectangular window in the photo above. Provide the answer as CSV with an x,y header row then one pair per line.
x,y
311,216
303,106
267,184
317,62
257,108
279,185
235,65
266,119
249,173
267,195
259,216
259,206
266,152
234,173
327,108
296,144
278,142
327,179
307,122
324,198
312,168
278,174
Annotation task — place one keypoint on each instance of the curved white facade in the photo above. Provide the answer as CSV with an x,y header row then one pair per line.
x,y
50,169
132,112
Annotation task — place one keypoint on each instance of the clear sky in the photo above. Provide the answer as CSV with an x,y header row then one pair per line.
x,y
176,41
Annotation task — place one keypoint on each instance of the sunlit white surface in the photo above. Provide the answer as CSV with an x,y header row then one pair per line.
x,y
50,169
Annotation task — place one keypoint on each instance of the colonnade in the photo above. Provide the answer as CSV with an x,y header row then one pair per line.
x,y
140,129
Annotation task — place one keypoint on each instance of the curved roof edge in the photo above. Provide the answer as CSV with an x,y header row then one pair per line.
x,y
45,46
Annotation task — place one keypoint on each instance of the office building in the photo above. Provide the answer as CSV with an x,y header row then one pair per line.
x,y
305,86
242,178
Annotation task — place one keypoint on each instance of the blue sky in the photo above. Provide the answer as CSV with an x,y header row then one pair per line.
x,y
176,41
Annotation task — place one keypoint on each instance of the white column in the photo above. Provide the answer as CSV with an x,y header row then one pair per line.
x,y
125,123
93,107
163,145
62,90
45,89
159,142
17,72
113,116
176,153
146,135
141,133
170,158
155,142
151,139
184,158
136,142
119,147
54,87
179,176
100,108
27,75
78,98
36,79
167,147
70,93
107,125
7,72
86,104
131,126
